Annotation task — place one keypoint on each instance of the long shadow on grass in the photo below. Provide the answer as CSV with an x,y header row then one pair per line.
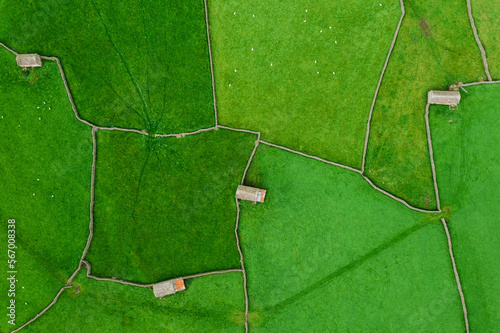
x,y
326,280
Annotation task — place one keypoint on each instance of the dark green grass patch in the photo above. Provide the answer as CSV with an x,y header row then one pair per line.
x,y
326,252
140,64
467,160
165,206
209,304
435,48
45,166
487,19
299,102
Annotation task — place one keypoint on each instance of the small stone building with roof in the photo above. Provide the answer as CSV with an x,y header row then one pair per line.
x,y
451,98
250,193
168,287
29,60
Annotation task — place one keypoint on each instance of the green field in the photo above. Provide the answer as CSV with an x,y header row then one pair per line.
x,y
487,19
150,72
435,48
45,162
467,160
326,252
298,102
165,206
209,304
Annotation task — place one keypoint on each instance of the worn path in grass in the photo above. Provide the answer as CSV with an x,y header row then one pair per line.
x,y
211,303
45,162
311,92
431,53
174,195
486,16
361,250
153,74
467,163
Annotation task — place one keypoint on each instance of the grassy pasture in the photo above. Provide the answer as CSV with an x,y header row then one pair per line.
x,y
487,19
165,206
326,252
209,304
435,48
468,166
297,101
140,64
45,163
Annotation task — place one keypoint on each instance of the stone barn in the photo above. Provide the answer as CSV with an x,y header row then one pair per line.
x,y
250,193
29,60
451,98
168,287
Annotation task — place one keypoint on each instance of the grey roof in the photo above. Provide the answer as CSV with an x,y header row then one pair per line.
x,y
247,193
443,97
29,60
168,287
164,288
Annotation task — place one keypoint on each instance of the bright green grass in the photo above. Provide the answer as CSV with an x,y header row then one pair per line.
x,y
398,158
326,252
467,160
141,64
320,114
209,304
45,166
165,206
487,19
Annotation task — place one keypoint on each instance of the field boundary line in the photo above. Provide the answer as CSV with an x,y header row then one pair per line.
x,y
242,262
367,135
43,311
73,105
89,275
238,245
311,156
478,41
431,156
92,197
63,76
398,199
194,276
358,172
251,158
88,267
181,135
478,83
237,129
455,271
8,48
211,63
121,129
